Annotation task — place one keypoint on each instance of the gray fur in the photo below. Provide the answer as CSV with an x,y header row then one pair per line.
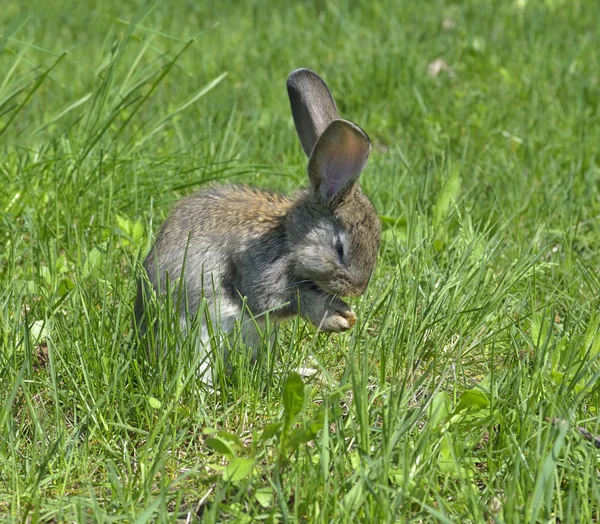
x,y
289,256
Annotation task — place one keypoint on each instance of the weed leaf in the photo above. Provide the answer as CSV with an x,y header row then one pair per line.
x,y
293,397
239,468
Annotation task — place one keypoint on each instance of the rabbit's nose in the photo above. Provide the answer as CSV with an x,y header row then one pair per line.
x,y
356,290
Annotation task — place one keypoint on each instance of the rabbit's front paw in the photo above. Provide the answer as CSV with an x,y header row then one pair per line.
x,y
341,320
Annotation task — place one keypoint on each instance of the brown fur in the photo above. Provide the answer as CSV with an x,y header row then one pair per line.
x,y
234,207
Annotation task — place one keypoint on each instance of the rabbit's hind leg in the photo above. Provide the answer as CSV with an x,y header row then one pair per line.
x,y
210,335
254,334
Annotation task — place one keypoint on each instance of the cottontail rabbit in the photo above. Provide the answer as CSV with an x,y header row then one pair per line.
x,y
286,255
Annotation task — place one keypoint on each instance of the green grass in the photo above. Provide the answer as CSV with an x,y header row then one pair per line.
x,y
459,394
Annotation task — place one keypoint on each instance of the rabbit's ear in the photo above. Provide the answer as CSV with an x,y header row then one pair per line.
x,y
313,106
338,157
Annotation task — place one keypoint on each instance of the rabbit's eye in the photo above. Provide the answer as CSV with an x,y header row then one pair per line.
x,y
339,247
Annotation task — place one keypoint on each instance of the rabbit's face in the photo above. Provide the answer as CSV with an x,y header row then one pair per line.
x,y
334,232
336,248
363,228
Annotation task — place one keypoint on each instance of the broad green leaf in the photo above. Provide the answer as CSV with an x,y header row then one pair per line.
x,y
271,430
392,221
230,437
400,479
132,231
293,397
137,232
154,403
557,377
45,274
26,285
355,497
39,331
440,407
92,261
355,460
221,446
124,224
264,496
66,285
446,457
238,469
239,513
472,399
394,234
301,436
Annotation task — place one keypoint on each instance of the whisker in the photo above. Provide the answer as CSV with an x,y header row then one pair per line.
x,y
296,283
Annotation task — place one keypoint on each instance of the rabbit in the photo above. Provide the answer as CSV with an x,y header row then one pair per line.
x,y
284,255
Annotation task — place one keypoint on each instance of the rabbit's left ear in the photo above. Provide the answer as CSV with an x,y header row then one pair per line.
x,y
313,107
338,158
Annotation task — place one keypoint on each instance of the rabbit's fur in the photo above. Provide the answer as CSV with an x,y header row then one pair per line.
x,y
286,255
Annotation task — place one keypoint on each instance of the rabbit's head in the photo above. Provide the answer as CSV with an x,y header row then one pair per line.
x,y
334,232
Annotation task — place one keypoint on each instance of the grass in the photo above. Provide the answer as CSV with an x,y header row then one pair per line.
x,y
459,395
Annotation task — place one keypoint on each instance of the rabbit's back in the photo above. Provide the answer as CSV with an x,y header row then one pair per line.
x,y
215,232
228,209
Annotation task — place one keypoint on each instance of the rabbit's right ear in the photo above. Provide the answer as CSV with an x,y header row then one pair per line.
x,y
313,106
338,158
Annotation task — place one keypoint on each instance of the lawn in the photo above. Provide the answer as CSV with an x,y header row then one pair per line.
x,y
467,391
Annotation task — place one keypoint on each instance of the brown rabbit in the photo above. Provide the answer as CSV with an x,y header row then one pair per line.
x,y
286,255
